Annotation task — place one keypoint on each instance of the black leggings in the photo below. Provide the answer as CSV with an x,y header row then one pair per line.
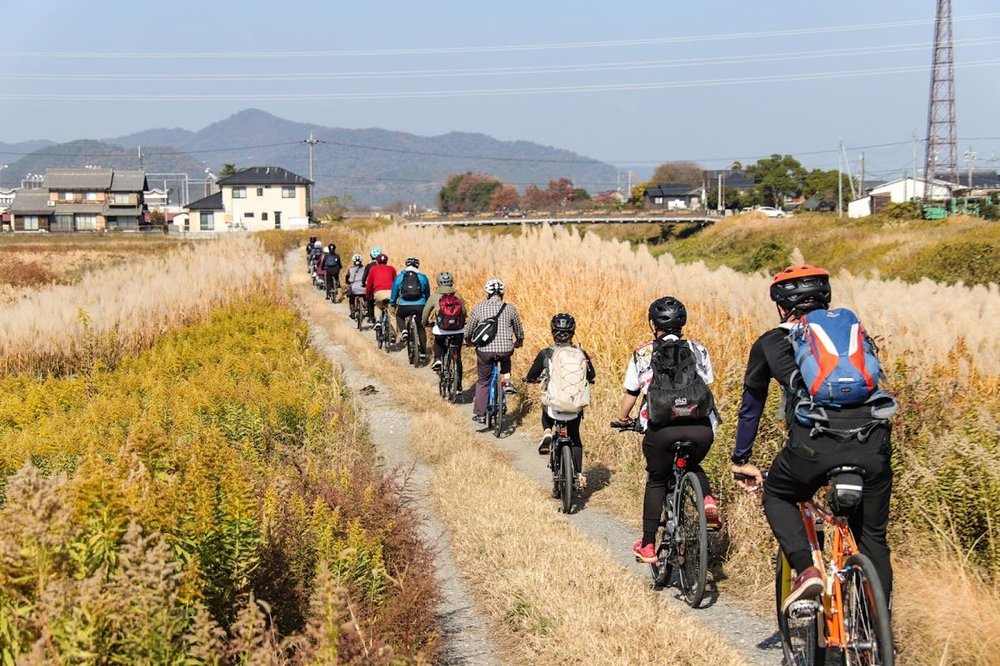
x,y
658,448
402,312
573,430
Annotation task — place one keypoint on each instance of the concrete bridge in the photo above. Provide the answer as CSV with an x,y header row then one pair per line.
x,y
621,219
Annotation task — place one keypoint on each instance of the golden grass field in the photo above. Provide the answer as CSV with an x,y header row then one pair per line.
x,y
938,343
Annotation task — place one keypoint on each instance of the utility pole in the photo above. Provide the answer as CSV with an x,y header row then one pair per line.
x,y
840,186
861,178
970,159
311,141
722,193
139,148
847,166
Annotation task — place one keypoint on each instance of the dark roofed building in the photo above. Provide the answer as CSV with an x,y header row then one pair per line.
x,y
254,199
671,196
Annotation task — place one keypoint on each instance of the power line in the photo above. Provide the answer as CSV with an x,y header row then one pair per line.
x,y
496,92
499,71
492,49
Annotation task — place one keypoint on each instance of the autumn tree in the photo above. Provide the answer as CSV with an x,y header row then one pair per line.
x,y
467,193
534,198
504,196
687,173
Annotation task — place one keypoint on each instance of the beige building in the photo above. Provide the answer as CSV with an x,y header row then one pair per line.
x,y
253,199
82,200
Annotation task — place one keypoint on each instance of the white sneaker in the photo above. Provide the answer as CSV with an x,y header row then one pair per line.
x,y
436,365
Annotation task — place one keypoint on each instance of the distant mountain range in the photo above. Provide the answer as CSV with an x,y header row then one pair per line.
x,y
373,166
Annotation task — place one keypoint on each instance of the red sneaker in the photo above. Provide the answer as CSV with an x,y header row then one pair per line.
x,y
645,554
807,585
712,518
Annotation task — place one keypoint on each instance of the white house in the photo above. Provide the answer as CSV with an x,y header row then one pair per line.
x,y
253,199
899,191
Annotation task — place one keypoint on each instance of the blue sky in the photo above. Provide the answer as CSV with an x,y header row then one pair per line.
x,y
634,84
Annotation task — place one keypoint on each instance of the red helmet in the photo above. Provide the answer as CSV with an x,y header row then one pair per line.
x,y
801,288
382,259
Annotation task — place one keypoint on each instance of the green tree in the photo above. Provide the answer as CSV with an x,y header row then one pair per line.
x,y
580,195
228,170
467,193
777,176
687,173
824,184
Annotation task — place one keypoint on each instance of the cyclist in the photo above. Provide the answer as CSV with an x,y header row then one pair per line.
x,y
563,327
375,251
309,248
315,256
378,286
801,466
509,336
332,266
410,291
667,317
355,282
445,285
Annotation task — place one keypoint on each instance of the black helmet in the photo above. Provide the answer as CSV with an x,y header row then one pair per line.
x,y
413,261
563,326
799,289
668,314
333,248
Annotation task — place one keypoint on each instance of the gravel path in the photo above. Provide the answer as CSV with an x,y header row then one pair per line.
x,y
467,641
750,634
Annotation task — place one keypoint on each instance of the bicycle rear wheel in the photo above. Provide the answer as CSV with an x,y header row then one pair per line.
x,y
566,469
663,568
411,340
379,336
500,406
866,615
359,309
800,631
455,385
386,333
692,540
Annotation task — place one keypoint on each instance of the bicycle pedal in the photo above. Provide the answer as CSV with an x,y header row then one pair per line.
x,y
803,609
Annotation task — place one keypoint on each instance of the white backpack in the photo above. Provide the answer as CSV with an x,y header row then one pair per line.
x,y
567,389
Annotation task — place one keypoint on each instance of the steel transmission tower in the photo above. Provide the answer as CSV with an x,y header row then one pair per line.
x,y
942,133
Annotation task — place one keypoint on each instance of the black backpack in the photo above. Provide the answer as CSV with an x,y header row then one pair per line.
x,y
332,262
411,289
677,393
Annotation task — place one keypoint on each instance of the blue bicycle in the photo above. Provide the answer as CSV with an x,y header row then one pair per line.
x,y
497,405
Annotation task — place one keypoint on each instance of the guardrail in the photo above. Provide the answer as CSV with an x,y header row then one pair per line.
x,y
503,221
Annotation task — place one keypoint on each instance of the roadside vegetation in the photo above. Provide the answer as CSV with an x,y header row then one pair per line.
x,y
938,344
189,484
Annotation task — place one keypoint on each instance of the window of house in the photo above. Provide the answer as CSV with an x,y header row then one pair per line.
x,y
64,223
86,222
67,196
658,200
260,191
91,196
247,214
30,222
207,219
122,198
263,216
287,192
239,193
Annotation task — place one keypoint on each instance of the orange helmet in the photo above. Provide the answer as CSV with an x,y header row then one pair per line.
x,y
801,288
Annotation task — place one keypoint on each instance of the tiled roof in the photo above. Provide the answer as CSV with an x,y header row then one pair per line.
x,y
129,181
31,202
269,175
78,179
668,190
211,202
74,208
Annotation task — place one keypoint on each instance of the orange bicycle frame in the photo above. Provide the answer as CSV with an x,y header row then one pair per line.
x,y
843,547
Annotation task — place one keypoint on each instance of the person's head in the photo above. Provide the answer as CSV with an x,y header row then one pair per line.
x,y
333,248
376,250
494,287
382,259
667,316
800,289
445,279
413,261
563,327
357,260
312,239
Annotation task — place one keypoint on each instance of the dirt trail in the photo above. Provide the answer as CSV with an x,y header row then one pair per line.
x,y
751,635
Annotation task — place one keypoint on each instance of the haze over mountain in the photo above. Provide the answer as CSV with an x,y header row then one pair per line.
x,y
374,166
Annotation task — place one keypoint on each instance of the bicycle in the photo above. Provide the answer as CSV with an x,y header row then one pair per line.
x,y
564,473
450,377
852,613
682,534
333,291
412,341
358,307
383,328
497,405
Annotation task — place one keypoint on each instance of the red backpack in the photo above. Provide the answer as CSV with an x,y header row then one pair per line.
x,y
451,316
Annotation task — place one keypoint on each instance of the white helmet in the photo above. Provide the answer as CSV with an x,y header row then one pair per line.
x,y
495,286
